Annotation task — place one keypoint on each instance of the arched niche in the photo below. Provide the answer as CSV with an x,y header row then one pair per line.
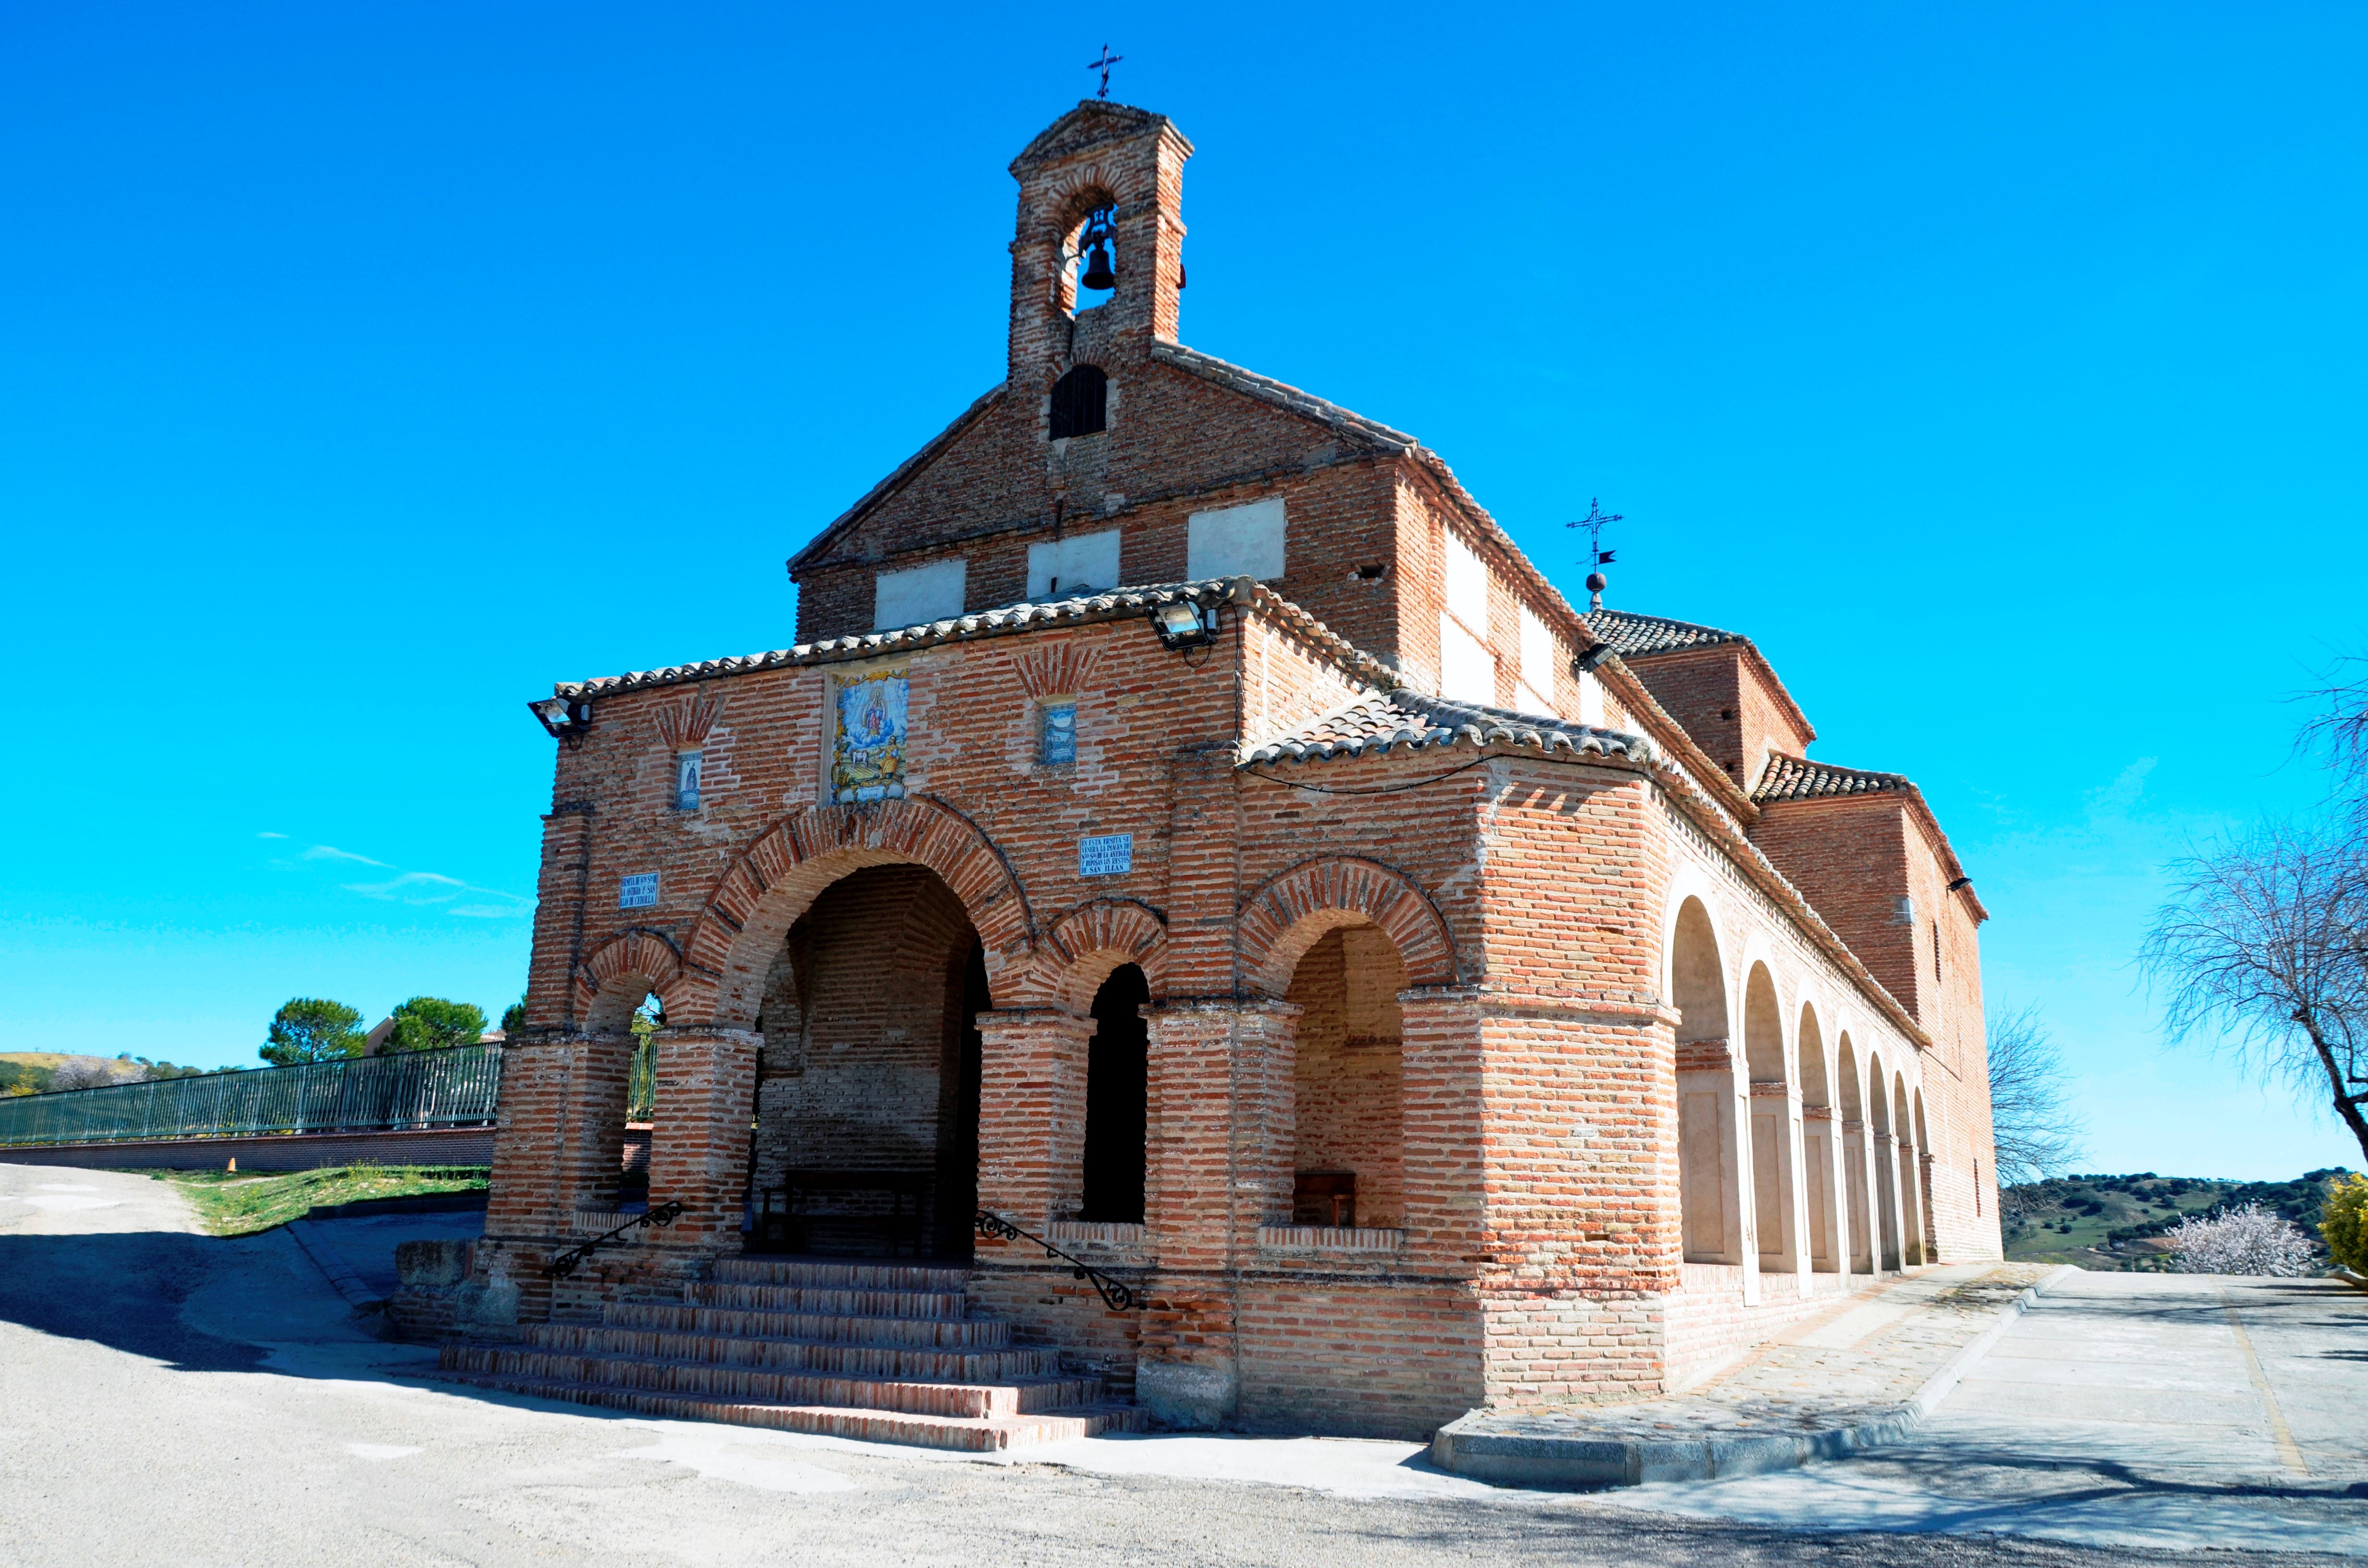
x,y
1709,1164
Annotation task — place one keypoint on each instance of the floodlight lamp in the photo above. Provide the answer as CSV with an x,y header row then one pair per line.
x,y
566,721
1183,624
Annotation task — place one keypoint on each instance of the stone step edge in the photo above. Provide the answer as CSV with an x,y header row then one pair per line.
x,y
971,1435
1015,1387
1594,1463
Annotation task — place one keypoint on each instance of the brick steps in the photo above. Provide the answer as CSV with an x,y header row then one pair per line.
x,y
841,1275
828,1302
714,1380
838,1357
926,1333
880,1352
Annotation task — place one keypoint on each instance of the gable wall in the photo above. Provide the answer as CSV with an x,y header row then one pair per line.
x,y
1849,857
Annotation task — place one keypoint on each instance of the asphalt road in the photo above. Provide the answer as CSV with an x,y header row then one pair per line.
x,y
166,1398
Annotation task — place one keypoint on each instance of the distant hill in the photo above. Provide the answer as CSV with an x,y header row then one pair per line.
x,y
35,1071
2117,1221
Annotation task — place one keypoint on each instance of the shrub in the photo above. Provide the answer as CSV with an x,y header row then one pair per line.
x,y
2345,1223
2250,1240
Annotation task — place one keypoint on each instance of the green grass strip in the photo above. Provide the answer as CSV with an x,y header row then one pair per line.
x,y
232,1204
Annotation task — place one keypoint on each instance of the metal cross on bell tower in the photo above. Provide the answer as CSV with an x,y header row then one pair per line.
x,y
1103,65
1597,556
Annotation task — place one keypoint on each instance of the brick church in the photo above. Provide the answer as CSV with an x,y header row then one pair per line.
x,y
1198,931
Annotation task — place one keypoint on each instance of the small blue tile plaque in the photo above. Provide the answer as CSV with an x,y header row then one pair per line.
x,y
1111,855
637,891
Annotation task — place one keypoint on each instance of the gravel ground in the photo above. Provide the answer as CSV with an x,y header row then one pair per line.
x,y
169,1398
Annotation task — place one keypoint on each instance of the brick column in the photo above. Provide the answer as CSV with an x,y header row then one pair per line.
x,y
1031,1114
1221,1144
698,1153
561,1131
1439,1126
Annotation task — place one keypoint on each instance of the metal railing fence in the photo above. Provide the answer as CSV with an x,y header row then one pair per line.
x,y
402,1090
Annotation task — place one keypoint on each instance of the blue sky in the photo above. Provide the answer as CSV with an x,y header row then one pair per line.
x,y
367,368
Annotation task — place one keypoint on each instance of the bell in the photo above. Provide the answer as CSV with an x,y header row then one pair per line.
x,y
1098,269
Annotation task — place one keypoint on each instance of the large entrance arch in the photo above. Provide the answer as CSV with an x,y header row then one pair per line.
x,y
866,1120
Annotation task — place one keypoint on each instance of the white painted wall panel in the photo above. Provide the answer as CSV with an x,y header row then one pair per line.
x,y
1079,563
919,594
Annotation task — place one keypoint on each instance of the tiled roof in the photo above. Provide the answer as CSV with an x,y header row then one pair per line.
x,y
1798,779
1117,603
1638,636
1382,721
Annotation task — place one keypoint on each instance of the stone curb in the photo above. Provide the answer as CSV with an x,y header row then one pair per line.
x,y
1579,1463
332,1264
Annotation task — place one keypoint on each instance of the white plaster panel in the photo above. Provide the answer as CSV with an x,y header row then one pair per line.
x,y
1236,542
1467,586
919,594
1077,565
1467,672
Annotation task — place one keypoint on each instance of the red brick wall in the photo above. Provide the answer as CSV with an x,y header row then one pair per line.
x,y
1848,856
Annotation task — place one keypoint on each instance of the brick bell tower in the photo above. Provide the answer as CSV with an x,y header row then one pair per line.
x,y
1098,156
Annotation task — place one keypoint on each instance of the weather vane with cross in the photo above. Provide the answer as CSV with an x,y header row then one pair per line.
x,y
1103,65
1597,556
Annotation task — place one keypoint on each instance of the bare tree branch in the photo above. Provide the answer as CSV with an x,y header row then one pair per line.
x,y
2339,733
2266,940
2036,1133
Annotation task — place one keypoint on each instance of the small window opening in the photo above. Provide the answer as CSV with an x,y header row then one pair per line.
x,y
1081,402
1371,573
1057,734
686,782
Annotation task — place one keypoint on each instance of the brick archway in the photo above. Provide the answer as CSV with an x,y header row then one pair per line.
x,y
763,892
1082,945
626,968
1282,919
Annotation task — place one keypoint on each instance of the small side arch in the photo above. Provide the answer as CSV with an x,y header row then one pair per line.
x,y
1291,913
1084,946
621,973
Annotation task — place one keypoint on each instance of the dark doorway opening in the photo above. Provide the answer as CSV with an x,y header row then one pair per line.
x,y
866,1136
1117,1100
958,1134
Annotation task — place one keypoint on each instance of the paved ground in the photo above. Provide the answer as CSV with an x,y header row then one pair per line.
x,y
1860,1360
2123,1409
169,1398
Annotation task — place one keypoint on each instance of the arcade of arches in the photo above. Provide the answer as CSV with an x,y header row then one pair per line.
x,y
1764,1167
